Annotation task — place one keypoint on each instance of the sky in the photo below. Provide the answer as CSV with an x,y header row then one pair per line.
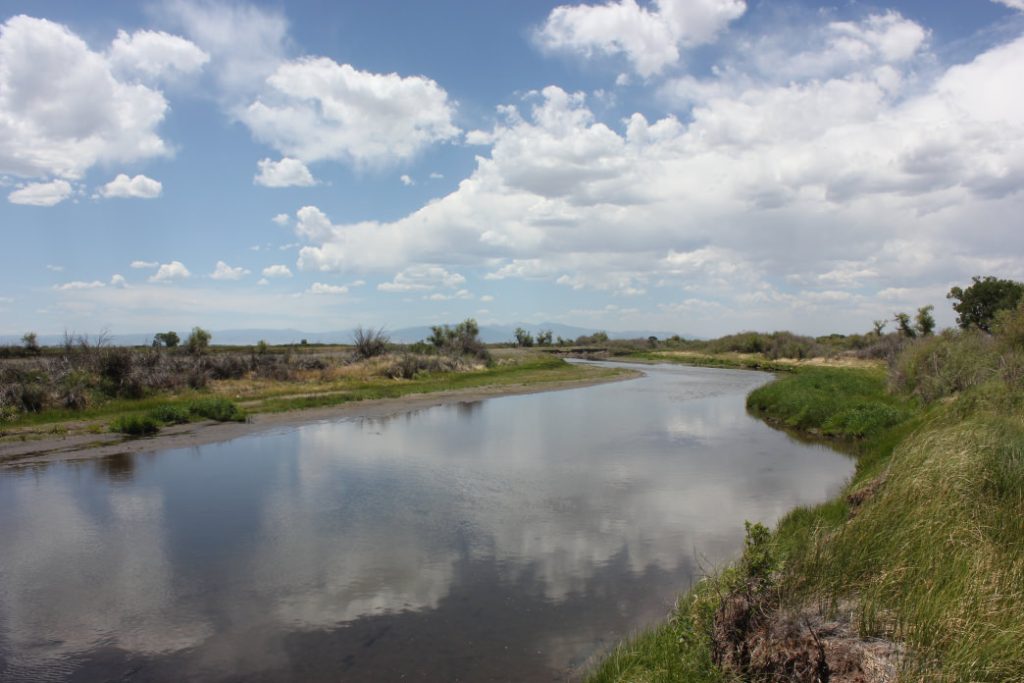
x,y
693,166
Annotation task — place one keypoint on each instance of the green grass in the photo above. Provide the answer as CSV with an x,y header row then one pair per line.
x,y
135,425
841,402
714,360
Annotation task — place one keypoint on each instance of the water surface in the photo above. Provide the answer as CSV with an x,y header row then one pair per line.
x,y
508,539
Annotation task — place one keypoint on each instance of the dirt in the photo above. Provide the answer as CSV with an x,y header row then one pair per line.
x,y
756,639
73,445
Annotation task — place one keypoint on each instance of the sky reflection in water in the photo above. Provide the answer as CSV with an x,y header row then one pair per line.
x,y
509,539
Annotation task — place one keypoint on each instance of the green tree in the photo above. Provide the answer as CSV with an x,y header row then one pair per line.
x,y
879,327
168,339
924,321
31,342
523,338
977,305
544,338
902,321
198,341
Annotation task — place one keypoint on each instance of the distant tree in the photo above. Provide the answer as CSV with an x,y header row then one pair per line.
x,y
902,321
523,338
544,338
562,341
168,339
652,341
977,305
261,347
924,321
198,341
879,327
463,339
31,342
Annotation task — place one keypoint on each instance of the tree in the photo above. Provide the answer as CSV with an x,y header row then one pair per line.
x,y
652,341
523,338
879,327
544,338
977,305
902,320
198,341
31,342
168,339
370,342
924,321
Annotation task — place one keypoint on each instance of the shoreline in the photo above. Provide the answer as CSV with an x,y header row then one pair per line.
x,y
87,446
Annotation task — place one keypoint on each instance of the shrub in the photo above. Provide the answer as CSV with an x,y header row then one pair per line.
x,y
198,341
219,409
74,389
171,414
135,425
370,342
942,365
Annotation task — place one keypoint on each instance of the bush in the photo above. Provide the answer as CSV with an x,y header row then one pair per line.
x,y
219,409
170,414
135,425
74,390
943,365
198,341
370,342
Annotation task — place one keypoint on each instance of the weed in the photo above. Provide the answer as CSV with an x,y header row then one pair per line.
x,y
135,425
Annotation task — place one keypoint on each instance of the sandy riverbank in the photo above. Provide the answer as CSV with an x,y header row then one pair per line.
x,y
78,446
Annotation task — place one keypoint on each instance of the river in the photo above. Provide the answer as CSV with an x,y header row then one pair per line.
x,y
509,539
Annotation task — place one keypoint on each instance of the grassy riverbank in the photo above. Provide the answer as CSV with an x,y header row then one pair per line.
x,y
916,570
332,385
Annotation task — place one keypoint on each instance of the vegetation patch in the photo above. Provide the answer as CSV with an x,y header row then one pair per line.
x,y
135,425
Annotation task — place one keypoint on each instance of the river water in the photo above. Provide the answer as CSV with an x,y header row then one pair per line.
x,y
509,539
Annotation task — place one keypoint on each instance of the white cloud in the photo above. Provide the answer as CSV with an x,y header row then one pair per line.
x,y
62,109
277,271
79,284
54,268
434,175
284,173
407,180
154,54
422,278
487,297
41,194
117,280
175,270
281,219
315,109
263,281
139,186
649,37
852,181
225,272
246,43
321,288
140,265
1012,4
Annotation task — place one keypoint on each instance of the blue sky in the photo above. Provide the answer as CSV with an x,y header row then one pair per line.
x,y
699,166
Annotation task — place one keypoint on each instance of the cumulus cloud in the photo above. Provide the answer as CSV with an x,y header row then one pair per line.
x,y
117,280
141,265
175,270
650,37
225,272
54,268
1012,4
277,271
284,173
140,187
407,180
745,191
63,109
315,109
281,219
321,288
41,194
154,54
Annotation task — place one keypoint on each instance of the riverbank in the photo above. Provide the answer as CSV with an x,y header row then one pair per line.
x,y
915,572
270,405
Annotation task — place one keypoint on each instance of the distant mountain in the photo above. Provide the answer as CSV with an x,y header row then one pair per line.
x,y
490,334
